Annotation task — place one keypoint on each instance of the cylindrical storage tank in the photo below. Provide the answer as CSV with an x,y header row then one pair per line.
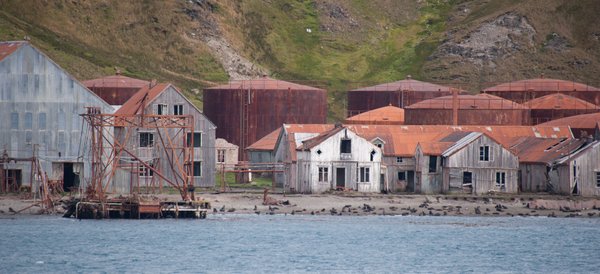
x,y
400,94
115,89
479,109
246,110
556,106
525,90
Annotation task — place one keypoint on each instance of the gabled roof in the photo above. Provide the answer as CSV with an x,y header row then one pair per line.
x,y
8,47
264,83
141,99
467,101
559,101
388,115
116,81
577,121
541,84
312,142
544,150
459,144
406,84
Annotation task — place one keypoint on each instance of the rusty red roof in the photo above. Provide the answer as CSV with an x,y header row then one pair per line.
x,y
264,83
145,95
388,115
541,84
312,142
467,101
402,140
584,121
116,81
407,84
559,101
7,48
544,150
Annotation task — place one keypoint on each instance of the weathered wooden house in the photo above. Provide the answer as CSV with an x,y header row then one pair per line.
x,y
536,157
40,107
226,154
335,159
149,143
470,162
579,172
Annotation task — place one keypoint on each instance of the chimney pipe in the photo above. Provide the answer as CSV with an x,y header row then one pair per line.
x,y
454,106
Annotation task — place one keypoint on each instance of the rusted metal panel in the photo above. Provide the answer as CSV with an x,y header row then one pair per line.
x,y
467,117
388,115
245,114
115,89
525,90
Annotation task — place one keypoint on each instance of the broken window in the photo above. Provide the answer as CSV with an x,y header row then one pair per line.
x,y
346,146
146,139
198,169
501,179
197,139
162,109
145,171
484,153
42,120
323,174
373,155
221,156
401,176
14,120
597,179
364,175
28,124
432,164
177,109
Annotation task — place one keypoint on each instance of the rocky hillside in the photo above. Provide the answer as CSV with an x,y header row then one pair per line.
x,y
336,44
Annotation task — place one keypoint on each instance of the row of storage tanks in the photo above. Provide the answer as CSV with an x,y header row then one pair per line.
x,y
246,110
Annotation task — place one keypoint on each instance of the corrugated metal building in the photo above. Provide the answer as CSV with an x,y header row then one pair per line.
x,y
481,109
525,90
556,106
40,107
400,94
165,99
388,115
115,89
247,110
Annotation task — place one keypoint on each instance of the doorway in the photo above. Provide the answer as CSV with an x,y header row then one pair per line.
x,y
410,185
11,180
70,178
340,178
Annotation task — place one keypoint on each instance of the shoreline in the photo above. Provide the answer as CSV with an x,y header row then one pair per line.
x,y
361,204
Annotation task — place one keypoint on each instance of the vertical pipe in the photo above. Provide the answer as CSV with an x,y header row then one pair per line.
x,y
454,107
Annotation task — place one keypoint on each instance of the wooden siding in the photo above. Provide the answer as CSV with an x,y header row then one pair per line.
x,y
32,85
586,163
533,177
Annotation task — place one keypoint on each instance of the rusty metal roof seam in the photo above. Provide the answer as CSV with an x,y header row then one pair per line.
x,y
540,84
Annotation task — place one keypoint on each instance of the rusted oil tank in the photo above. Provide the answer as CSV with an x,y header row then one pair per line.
x,y
481,109
400,94
525,90
556,106
246,110
115,89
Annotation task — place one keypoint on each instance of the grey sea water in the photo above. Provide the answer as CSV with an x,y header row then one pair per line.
x,y
256,244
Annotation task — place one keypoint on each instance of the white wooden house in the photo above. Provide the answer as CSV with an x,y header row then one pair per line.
x,y
335,159
469,162
226,154
579,172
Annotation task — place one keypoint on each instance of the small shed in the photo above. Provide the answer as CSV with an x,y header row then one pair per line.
x,y
481,109
556,106
226,154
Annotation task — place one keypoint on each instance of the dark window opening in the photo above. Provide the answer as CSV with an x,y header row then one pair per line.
x,y
198,169
197,139
373,155
484,153
346,146
432,164
401,176
146,139
177,109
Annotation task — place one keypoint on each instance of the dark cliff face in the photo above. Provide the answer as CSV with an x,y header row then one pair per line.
x,y
341,45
